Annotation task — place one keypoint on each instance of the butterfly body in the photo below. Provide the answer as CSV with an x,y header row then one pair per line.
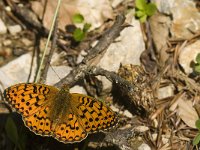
x,y
49,111
60,105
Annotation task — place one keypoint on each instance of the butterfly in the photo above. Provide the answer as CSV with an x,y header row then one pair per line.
x,y
49,111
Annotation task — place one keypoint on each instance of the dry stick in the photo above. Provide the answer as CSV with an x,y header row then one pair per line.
x,y
32,61
27,16
112,77
150,41
108,37
11,15
48,59
44,10
30,19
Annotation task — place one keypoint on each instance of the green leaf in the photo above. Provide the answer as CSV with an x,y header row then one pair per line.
x,y
139,13
197,124
78,35
11,130
78,18
197,68
196,139
86,27
198,58
150,9
22,141
143,18
140,4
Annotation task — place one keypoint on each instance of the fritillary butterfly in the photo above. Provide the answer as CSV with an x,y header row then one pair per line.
x,y
68,117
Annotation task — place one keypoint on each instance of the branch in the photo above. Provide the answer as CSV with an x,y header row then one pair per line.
x,y
107,38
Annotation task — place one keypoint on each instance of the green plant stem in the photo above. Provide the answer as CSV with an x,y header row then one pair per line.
x,y
48,39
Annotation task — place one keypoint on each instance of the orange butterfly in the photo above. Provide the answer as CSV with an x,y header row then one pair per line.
x,y
68,117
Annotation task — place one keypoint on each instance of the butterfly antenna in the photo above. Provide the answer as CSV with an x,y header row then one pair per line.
x,y
54,71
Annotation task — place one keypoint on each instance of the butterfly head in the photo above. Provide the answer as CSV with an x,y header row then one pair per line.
x,y
65,88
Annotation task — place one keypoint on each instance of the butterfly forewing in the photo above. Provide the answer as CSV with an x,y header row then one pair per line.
x,y
28,98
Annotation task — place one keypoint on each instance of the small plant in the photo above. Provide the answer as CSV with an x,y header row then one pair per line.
x,y
197,64
79,34
13,135
197,138
144,10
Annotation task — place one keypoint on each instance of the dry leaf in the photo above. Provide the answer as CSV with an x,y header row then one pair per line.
x,y
187,112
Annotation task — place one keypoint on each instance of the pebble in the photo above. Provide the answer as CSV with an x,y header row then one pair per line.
x,y
14,29
3,28
26,41
188,55
165,92
144,146
7,42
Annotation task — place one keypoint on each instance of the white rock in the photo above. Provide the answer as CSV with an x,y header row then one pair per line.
x,y
115,3
8,8
7,42
14,29
54,75
165,139
26,41
95,12
126,50
17,71
154,136
186,17
78,89
141,128
164,6
165,92
144,146
3,28
128,114
115,109
187,55
123,50
81,56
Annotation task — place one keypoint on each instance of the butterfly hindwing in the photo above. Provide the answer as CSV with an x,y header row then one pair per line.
x,y
40,122
94,115
70,130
